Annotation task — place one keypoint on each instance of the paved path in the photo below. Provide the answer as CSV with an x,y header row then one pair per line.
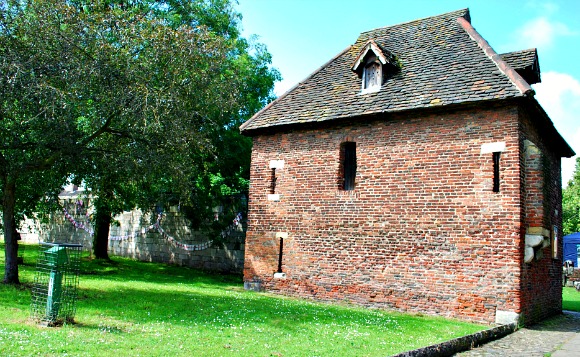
x,y
555,337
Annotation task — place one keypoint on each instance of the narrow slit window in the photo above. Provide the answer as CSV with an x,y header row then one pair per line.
x,y
496,171
273,181
349,165
280,255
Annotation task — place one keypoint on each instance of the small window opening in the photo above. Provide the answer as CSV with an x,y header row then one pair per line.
x,y
348,151
280,255
273,181
374,65
372,74
496,171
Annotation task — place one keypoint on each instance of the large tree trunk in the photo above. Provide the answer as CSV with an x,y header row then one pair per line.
x,y
101,238
10,238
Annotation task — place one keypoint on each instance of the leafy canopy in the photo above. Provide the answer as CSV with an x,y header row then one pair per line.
x,y
134,97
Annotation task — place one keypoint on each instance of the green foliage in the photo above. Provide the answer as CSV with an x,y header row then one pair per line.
x,y
130,308
140,100
178,161
571,203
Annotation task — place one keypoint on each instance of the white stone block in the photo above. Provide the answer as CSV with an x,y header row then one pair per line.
x,y
273,197
506,317
279,275
492,147
533,240
282,235
528,254
276,164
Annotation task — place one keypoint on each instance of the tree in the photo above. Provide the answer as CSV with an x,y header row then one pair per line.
x,y
32,117
89,88
571,203
196,176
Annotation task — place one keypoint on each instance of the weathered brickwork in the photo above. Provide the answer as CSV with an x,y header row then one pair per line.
x,y
542,196
422,231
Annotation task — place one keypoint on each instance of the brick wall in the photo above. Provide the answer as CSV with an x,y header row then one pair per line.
x,y
423,230
542,195
225,257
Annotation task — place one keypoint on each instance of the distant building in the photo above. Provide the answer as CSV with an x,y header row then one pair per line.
x,y
415,170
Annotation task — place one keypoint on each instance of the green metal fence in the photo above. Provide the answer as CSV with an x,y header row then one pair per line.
x,y
54,292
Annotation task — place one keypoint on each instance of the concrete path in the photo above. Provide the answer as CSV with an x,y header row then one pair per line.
x,y
555,337
569,348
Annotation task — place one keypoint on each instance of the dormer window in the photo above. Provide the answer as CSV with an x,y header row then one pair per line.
x,y
370,65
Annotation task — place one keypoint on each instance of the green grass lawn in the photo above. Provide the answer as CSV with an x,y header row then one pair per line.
x,y
570,299
129,308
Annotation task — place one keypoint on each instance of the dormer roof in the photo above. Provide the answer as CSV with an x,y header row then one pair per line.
x,y
525,63
383,55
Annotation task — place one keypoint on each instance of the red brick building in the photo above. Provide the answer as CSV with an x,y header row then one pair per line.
x,y
416,171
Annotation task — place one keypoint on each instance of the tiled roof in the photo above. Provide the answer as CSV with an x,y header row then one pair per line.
x,y
525,63
442,61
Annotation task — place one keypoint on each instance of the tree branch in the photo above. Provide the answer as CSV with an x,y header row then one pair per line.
x,y
18,146
127,135
103,129
43,164
119,133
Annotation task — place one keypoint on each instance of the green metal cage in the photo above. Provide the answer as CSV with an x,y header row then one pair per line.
x,y
54,291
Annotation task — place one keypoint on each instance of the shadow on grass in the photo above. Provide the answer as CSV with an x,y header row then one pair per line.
x,y
124,291
121,269
217,308
141,292
124,269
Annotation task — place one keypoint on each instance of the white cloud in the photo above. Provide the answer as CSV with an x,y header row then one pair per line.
x,y
559,95
540,32
543,7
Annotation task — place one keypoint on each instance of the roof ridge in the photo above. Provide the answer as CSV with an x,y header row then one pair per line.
x,y
520,51
465,12
244,125
518,81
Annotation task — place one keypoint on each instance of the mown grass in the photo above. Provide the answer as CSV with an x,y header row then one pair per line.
x,y
570,299
129,308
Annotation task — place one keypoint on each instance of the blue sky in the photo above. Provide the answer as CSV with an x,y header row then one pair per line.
x,y
302,35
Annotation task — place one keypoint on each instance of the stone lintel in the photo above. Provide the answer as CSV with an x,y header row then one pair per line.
x,y
276,164
488,148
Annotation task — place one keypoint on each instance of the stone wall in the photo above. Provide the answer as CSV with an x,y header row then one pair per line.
x,y
134,236
422,231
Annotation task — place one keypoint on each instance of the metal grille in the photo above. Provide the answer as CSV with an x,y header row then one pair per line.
x,y
54,292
